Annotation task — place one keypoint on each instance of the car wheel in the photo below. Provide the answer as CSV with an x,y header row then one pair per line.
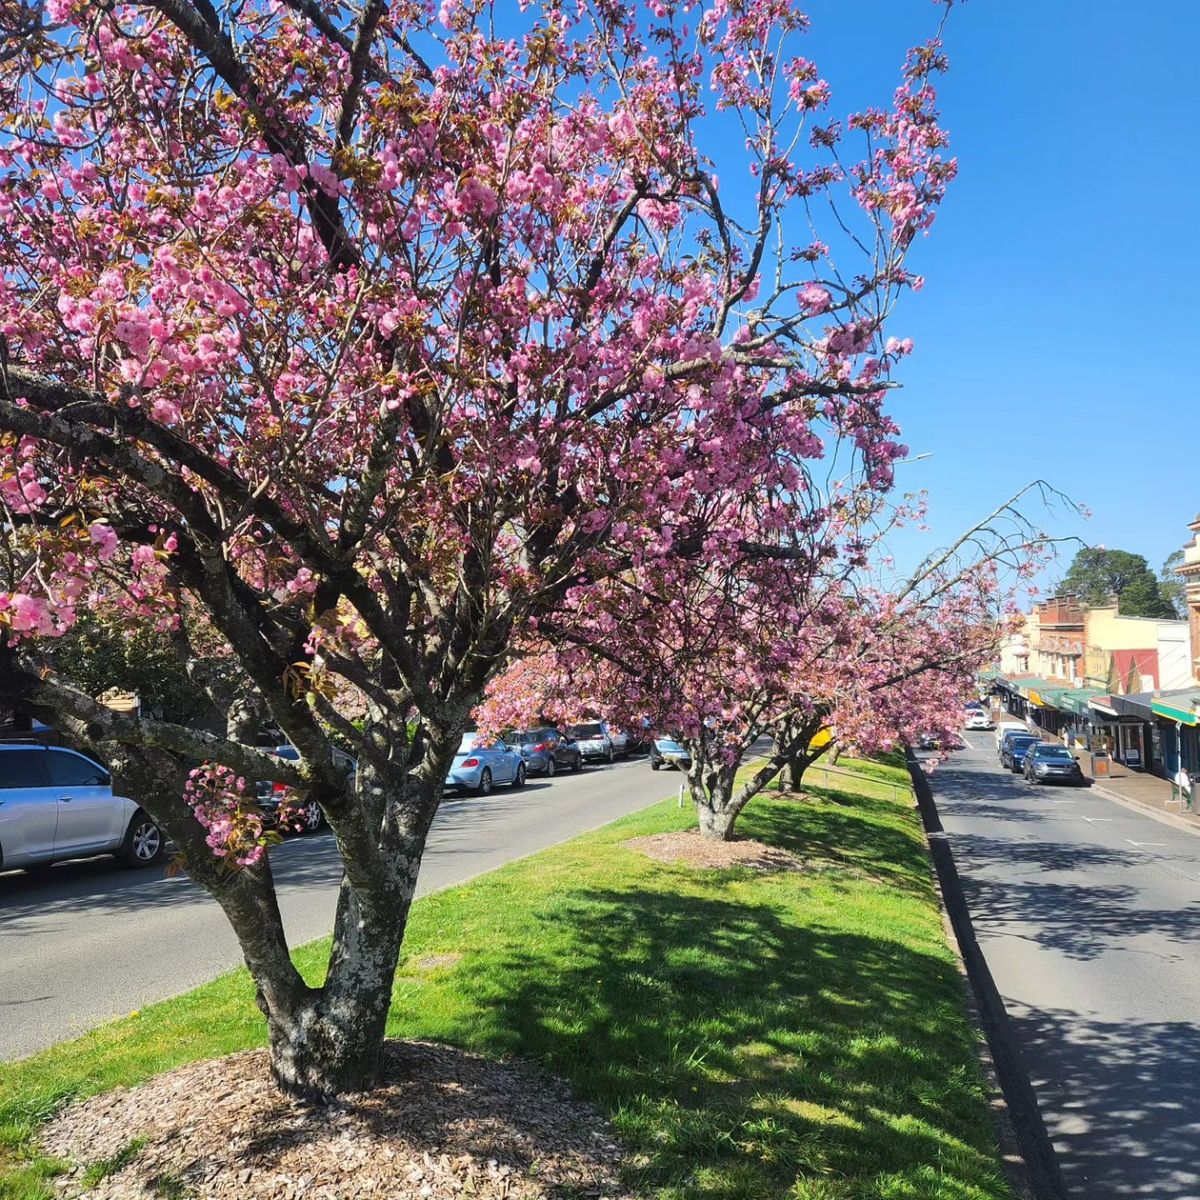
x,y
485,783
611,756
519,778
577,765
551,767
314,818
144,843
654,765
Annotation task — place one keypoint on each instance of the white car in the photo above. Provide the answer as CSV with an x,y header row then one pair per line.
x,y
977,720
1009,727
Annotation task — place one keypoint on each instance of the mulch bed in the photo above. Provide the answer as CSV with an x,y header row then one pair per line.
x,y
690,849
443,1123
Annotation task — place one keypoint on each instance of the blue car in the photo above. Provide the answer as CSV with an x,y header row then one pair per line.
x,y
1015,749
479,765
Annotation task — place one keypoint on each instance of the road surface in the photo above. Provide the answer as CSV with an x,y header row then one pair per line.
x,y
83,942
1089,916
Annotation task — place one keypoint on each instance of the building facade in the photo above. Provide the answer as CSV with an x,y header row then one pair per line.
x,y
1089,675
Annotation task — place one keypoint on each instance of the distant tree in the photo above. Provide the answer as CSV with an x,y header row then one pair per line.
x,y
97,655
1097,574
1172,586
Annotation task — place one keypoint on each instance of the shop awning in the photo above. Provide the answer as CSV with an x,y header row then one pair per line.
x,y
1078,700
1135,705
1174,710
1036,690
1013,683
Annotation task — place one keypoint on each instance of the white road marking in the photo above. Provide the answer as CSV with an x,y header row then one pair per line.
x,y
1093,820
1140,844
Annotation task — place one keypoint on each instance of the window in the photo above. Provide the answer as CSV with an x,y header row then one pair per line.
x,y
22,769
73,770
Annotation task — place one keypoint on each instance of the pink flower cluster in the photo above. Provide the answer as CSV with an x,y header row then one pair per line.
x,y
236,831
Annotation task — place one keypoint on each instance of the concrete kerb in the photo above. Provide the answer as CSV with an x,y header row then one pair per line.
x,y
1025,1147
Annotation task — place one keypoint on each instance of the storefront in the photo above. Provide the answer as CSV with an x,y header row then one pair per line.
x,y
1176,716
1123,728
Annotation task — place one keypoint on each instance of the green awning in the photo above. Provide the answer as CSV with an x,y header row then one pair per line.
x,y
1185,716
1078,700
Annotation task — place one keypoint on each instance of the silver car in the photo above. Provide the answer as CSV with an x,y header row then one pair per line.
x,y
57,804
599,741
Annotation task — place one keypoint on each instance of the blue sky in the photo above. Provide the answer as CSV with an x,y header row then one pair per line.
x,y
1063,273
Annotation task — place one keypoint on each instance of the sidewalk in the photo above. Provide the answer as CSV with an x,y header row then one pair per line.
x,y
1138,788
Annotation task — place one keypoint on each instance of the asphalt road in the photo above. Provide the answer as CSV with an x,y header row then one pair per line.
x,y
83,942
1089,916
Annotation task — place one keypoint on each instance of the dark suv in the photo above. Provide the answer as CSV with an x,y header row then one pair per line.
x,y
546,751
56,804
1014,749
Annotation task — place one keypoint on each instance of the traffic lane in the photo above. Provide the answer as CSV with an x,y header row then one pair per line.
x,y
83,942
1089,916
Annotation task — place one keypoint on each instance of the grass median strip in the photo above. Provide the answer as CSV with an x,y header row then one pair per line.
x,y
749,1034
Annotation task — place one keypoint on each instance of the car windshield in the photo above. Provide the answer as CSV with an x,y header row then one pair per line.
x,y
588,731
470,741
670,745
1022,743
1054,752
528,737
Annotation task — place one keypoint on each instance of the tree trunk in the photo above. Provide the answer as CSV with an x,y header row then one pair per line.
x,y
716,822
326,1041
796,768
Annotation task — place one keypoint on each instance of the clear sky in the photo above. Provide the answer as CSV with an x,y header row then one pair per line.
x,y
1055,331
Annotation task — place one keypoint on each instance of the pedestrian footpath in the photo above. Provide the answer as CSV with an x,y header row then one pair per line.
x,y
1138,789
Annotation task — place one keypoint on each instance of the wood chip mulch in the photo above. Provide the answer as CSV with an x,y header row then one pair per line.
x,y
690,849
443,1124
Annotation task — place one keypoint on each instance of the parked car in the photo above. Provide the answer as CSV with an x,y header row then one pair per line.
x,y
57,804
639,738
1051,763
546,751
271,795
977,719
1012,754
479,766
598,741
1006,727
667,752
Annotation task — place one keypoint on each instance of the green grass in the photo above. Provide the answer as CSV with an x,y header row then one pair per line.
x,y
796,1035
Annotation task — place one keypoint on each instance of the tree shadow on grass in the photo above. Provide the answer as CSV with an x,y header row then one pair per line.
x,y
845,830
742,1052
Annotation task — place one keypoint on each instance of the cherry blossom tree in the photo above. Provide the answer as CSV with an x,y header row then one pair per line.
x,y
814,651
371,340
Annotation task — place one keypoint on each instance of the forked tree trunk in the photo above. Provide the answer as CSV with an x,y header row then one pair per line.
x,y
327,1041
